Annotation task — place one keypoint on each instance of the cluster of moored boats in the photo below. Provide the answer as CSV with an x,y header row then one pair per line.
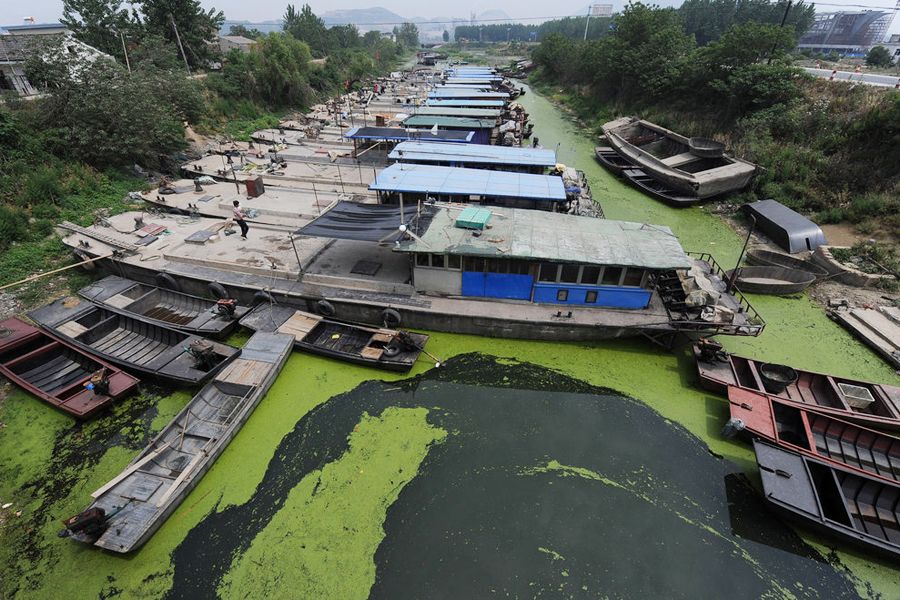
x,y
414,203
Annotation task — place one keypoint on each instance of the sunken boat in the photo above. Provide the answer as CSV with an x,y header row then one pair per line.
x,y
867,404
772,280
487,271
58,372
657,189
858,509
612,160
818,435
763,257
166,307
137,345
129,509
378,347
690,166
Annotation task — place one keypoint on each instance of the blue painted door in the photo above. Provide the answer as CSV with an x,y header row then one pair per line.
x,y
497,285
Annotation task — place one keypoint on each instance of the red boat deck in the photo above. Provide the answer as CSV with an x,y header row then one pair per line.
x,y
56,371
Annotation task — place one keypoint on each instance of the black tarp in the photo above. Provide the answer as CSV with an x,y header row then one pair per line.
x,y
366,222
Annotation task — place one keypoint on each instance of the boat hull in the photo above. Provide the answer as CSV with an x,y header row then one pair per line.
x,y
772,280
767,258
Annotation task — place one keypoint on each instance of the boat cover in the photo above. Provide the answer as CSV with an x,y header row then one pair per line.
x,y
789,229
365,222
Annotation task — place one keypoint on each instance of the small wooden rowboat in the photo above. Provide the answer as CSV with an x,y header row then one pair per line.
x,y
867,404
134,504
164,307
612,160
858,509
657,189
373,347
58,372
768,258
815,434
777,281
160,352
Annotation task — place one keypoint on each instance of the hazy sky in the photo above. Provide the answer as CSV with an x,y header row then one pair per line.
x,y
12,12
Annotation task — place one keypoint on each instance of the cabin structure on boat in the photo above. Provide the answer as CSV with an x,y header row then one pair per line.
x,y
465,94
485,130
541,258
452,111
383,139
490,80
465,103
500,158
410,183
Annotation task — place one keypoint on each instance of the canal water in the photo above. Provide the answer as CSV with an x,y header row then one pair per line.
x,y
518,469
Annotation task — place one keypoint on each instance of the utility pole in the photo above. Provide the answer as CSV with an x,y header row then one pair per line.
x,y
180,47
125,50
784,17
588,20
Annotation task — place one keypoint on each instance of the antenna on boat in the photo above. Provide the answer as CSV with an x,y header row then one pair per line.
x,y
734,273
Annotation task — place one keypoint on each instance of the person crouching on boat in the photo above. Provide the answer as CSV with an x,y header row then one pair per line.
x,y
239,219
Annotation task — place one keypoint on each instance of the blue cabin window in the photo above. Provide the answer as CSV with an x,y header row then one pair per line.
x,y
562,295
590,297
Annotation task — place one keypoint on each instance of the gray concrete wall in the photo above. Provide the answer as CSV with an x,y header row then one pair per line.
x,y
442,282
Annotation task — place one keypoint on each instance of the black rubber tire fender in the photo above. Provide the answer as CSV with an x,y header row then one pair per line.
x,y
391,318
166,281
261,297
217,290
325,308
391,350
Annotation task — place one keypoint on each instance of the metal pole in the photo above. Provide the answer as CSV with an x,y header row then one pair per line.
x,y
125,50
587,21
783,21
297,254
180,47
341,179
734,273
316,194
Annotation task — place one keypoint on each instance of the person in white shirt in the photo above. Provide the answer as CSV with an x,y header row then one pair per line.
x,y
239,219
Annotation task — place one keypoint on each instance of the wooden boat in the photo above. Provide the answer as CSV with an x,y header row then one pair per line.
x,y
612,160
161,352
167,308
820,436
867,404
132,506
58,372
698,169
373,347
856,508
656,189
777,281
762,257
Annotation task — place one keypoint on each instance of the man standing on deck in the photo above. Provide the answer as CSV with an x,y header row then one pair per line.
x,y
239,219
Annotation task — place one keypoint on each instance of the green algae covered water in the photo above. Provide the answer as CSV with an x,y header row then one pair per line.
x,y
519,469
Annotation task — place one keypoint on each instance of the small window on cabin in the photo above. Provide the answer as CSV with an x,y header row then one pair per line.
x,y
590,275
548,272
590,297
611,275
569,274
562,295
518,267
633,277
422,260
437,260
475,265
453,261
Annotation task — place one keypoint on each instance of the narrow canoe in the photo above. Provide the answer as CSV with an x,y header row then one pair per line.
x,y
57,372
133,505
777,281
359,344
167,308
768,258
161,352
861,402
855,508
612,160
657,189
817,435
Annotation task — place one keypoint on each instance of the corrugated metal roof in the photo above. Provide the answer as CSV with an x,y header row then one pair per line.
x,y
558,237
476,153
453,111
475,80
454,93
464,86
445,121
464,102
398,133
456,181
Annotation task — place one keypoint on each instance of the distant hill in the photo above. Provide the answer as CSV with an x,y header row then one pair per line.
x,y
361,16
263,26
494,16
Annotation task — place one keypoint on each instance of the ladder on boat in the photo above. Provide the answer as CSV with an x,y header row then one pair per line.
x,y
99,236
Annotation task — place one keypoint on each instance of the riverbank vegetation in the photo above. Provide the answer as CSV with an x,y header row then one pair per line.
x,y
101,124
828,149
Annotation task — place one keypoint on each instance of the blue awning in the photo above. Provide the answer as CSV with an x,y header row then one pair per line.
x,y
429,152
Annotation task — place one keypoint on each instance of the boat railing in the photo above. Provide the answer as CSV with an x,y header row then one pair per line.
x,y
754,324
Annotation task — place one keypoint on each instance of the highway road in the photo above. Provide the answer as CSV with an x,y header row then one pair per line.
x,y
867,78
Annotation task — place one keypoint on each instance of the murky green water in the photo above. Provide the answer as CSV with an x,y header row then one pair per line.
x,y
499,475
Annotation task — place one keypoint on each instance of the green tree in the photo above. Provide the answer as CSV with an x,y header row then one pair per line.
x,y
98,23
708,20
196,27
253,34
155,52
445,36
407,35
307,27
283,70
879,56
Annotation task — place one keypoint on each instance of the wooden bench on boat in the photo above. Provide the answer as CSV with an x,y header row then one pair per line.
x,y
161,352
168,308
360,344
137,502
58,372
